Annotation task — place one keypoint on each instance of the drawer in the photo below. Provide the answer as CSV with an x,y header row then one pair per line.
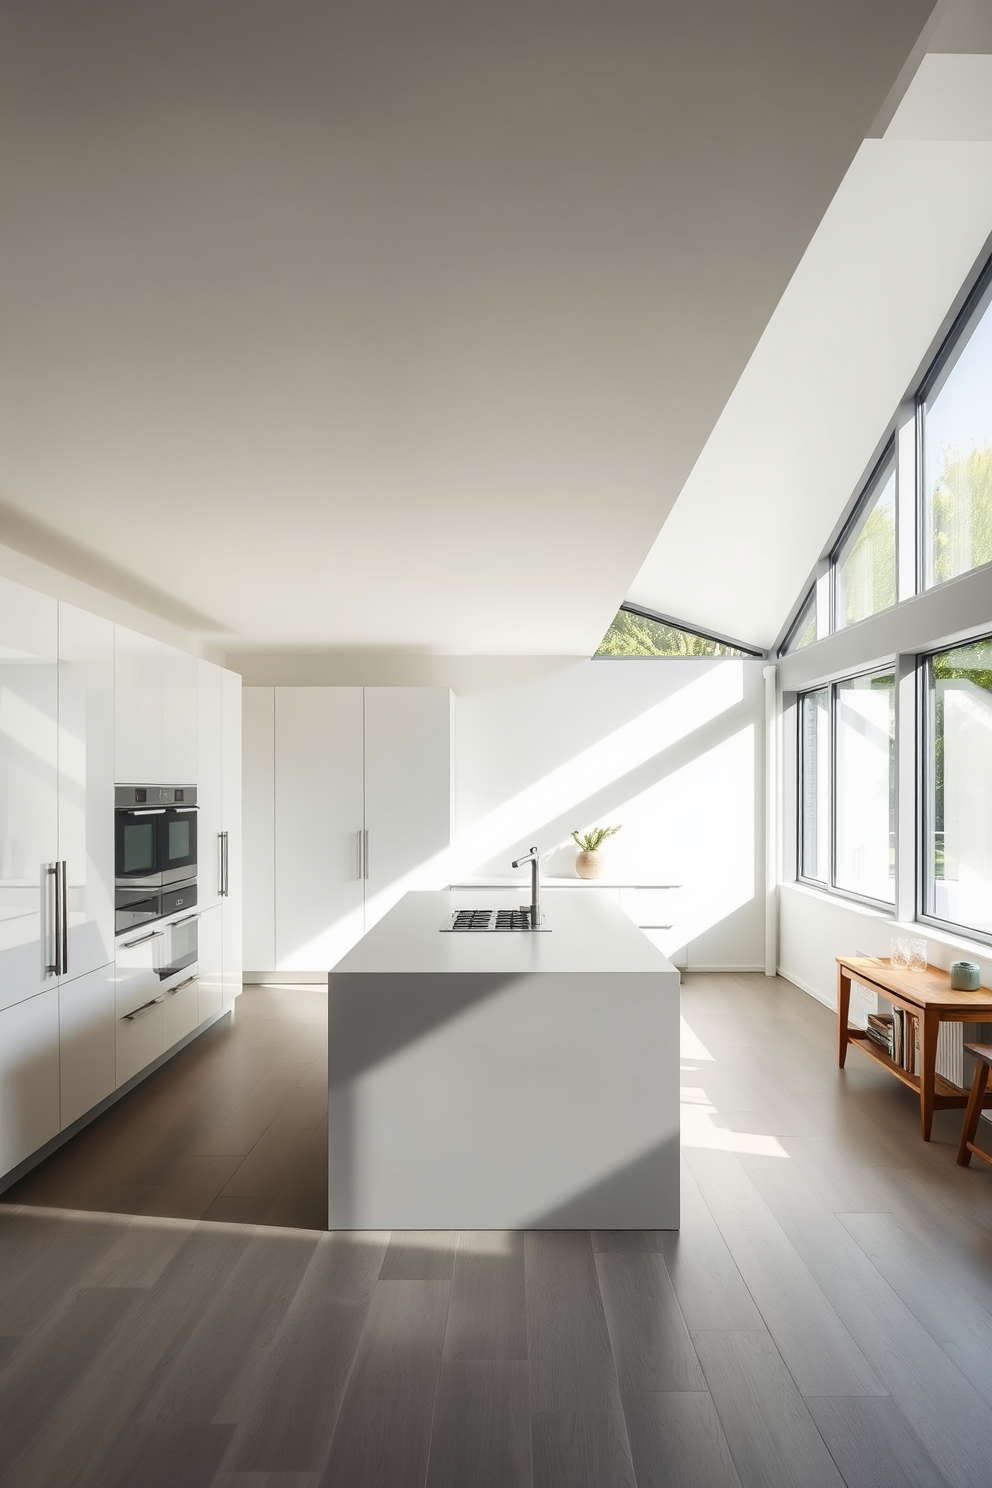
x,y
650,908
136,979
180,1009
139,1041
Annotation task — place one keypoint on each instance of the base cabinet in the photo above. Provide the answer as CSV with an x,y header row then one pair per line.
x,y
29,1076
179,1011
87,1043
210,964
140,1039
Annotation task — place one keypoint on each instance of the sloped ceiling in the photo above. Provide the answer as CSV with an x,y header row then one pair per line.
x,y
402,326
847,339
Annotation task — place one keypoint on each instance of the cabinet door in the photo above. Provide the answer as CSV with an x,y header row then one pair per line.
x,y
178,717
29,1077
28,789
210,963
209,755
180,1009
140,1039
407,793
87,1049
318,825
259,891
231,823
137,709
86,785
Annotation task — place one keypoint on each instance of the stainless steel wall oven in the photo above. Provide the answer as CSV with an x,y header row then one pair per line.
x,y
155,852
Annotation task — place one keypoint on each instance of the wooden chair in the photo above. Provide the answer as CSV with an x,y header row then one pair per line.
x,y
982,1054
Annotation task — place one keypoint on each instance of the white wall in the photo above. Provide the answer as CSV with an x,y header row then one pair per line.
x,y
673,750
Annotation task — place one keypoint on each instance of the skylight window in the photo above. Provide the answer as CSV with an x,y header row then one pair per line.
x,y
635,633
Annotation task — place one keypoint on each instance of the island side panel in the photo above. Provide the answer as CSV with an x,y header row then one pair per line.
x,y
504,1101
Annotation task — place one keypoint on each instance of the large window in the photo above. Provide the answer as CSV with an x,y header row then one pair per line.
x,y
864,565
864,786
847,786
958,787
956,414
814,724
802,632
636,633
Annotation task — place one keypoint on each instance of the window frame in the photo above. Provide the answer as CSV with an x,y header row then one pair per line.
x,y
808,603
749,653
831,886
886,463
941,367
925,743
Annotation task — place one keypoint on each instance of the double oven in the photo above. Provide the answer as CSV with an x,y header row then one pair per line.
x,y
155,868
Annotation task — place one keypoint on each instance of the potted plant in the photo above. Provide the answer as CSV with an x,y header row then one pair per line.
x,y
589,864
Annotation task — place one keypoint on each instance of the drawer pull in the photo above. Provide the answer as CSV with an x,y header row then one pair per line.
x,y
152,935
145,1007
171,991
185,920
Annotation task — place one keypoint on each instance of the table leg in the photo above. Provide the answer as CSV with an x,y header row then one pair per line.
x,y
843,1009
929,1030
975,1099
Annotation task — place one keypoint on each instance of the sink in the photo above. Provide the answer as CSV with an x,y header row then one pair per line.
x,y
481,921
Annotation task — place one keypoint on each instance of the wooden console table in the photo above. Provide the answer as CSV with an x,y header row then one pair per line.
x,y
927,995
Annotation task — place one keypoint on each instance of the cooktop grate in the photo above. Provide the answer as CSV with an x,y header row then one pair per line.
x,y
470,921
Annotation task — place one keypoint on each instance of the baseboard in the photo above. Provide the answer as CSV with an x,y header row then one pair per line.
x,y
14,1175
692,966
284,978
805,987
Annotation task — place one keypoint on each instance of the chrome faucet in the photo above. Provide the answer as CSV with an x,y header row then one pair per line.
x,y
534,859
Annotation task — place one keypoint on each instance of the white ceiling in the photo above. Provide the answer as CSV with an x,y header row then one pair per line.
x,y
837,356
381,325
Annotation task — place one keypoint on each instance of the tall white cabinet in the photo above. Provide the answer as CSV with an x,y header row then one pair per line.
x,y
356,783
85,704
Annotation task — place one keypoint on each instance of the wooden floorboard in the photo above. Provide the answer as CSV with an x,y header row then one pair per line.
x,y
173,1310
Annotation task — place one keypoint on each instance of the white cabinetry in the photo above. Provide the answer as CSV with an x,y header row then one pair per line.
x,y
231,828
87,1043
29,1076
319,821
138,708
209,766
86,786
179,697
361,804
28,791
210,964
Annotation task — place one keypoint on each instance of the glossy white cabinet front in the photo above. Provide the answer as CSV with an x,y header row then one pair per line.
x,y
209,769
138,708
87,1042
231,824
29,1076
28,790
86,785
179,679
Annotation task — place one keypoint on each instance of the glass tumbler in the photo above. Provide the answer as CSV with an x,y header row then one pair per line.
x,y
899,950
917,955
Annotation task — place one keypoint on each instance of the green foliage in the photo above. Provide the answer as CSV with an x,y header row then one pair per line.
x,y
638,635
869,569
961,513
594,839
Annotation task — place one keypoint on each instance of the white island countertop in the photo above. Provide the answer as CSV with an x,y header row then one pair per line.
x,y
587,932
495,1080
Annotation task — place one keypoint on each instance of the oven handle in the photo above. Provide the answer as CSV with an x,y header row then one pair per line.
x,y
184,921
153,935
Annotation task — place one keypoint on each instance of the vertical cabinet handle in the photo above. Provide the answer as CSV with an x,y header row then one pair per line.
x,y
224,889
365,854
361,854
64,964
52,918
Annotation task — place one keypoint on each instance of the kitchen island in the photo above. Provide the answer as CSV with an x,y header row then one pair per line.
x,y
501,1080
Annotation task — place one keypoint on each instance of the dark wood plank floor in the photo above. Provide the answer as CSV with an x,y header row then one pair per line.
x,y
170,1312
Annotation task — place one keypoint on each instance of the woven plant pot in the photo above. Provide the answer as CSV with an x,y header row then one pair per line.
x,y
589,865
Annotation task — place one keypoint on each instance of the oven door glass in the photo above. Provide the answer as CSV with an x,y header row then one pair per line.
x,y
181,945
179,845
137,848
